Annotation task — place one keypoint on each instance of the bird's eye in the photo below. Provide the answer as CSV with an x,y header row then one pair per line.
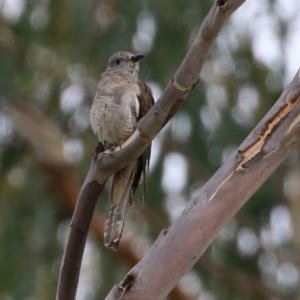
x,y
117,61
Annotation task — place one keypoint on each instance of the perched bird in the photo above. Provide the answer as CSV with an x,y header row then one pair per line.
x,y
121,100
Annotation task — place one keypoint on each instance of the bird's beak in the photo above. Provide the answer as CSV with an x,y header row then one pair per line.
x,y
136,58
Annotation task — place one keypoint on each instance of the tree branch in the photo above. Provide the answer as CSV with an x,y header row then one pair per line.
x,y
103,166
179,247
30,123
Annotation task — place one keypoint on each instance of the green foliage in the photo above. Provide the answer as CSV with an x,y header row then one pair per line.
x,y
58,44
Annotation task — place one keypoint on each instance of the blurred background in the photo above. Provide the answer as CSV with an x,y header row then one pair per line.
x,y
52,53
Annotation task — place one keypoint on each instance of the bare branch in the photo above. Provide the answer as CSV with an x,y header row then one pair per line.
x,y
30,123
179,247
169,102
80,225
105,165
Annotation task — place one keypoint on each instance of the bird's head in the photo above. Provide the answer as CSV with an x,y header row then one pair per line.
x,y
124,62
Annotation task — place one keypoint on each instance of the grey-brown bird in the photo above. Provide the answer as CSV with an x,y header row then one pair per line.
x,y
120,102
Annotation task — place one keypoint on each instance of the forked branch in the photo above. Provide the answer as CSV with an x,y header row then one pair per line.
x,y
179,247
103,166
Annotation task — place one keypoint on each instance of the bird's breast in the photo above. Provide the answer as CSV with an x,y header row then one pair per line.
x,y
114,114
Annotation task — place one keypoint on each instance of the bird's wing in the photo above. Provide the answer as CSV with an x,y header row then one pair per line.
x,y
146,101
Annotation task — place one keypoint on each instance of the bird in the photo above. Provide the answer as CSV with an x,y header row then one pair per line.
x,y
120,102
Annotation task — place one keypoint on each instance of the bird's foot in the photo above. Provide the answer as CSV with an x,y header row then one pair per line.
x,y
112,148
100,148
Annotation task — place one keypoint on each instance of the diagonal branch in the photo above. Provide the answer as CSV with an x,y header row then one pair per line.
x,y
103,166
179,247
30,123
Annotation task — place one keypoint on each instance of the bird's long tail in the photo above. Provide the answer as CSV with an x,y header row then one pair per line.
x,y
120,196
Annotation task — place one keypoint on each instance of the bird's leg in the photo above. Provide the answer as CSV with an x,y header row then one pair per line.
x,y
100,148
117,145
112,148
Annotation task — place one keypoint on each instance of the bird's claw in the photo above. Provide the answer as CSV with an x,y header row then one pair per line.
x,y
100,148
